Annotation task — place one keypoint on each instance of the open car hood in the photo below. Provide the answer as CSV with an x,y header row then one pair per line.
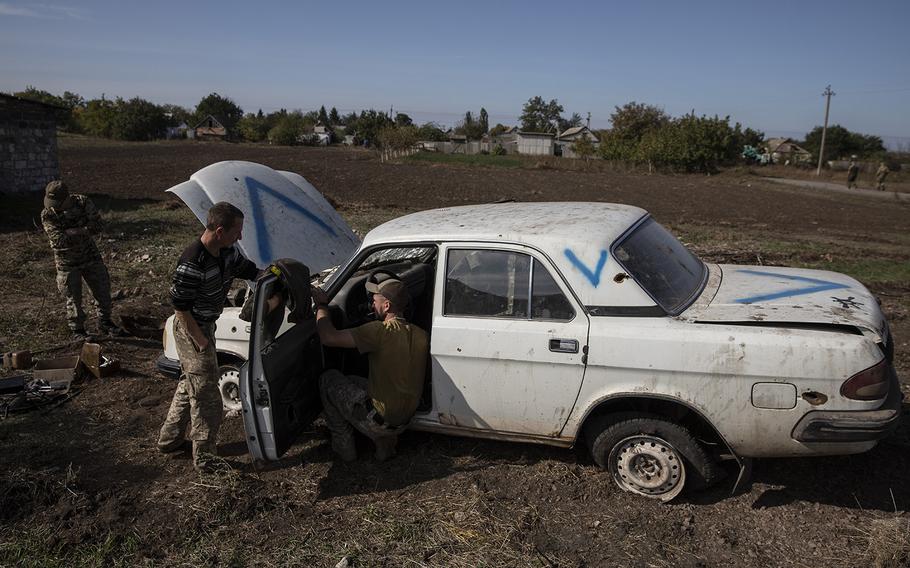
x,y
284,215
751,294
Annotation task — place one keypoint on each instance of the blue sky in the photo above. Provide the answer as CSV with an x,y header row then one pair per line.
x,y
764,64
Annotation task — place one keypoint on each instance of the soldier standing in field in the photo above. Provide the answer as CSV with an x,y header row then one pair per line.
x,y
201,283
852,173
71,221
880,174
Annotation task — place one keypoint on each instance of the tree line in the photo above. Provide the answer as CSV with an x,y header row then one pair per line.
x,y
640,133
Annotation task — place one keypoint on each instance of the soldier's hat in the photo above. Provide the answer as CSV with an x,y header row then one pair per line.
x,y
55,194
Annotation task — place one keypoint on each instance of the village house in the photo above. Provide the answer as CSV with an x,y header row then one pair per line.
x,y
209,129
786,151
569,137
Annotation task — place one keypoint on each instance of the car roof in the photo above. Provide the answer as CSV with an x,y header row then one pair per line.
x,y
575,237
540,223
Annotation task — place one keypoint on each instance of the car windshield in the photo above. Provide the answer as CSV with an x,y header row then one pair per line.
x,y
662,265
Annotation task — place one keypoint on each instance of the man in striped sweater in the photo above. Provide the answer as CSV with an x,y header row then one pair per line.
x,y
201,282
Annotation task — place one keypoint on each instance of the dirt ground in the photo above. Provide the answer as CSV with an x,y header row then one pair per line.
x,y
83,484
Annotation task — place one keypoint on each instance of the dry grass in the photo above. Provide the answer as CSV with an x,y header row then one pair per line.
x,y
886,542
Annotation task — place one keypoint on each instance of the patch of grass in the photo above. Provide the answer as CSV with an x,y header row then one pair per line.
x,y
468,160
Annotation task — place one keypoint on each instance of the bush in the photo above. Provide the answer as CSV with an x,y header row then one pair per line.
x,y
498,150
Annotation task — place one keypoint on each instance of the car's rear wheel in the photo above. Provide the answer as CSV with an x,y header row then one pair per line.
x,y
229,386
649,456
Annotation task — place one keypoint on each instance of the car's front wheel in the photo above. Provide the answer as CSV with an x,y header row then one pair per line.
x,y
649,456
229,386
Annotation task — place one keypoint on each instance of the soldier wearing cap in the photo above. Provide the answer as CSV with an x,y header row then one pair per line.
x,y
71,221
381,405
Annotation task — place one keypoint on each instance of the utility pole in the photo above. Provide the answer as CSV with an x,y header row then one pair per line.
x,y
821,152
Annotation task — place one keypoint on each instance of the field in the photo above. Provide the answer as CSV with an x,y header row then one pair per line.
x,y
83,483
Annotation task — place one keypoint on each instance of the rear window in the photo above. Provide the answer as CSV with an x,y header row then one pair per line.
x,y
662,265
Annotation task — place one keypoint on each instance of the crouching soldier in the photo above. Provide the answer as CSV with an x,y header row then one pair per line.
x,y
71,221
382,405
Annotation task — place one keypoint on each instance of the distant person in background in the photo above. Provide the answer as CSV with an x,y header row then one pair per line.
x,y
852,173
880,174
71,222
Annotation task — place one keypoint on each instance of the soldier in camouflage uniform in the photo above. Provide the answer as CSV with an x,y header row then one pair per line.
x,y
71,221
880,174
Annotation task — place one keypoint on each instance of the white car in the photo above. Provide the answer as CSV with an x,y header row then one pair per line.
x,y
589,323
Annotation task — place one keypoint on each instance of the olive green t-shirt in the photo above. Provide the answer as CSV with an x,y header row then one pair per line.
x,y
398,361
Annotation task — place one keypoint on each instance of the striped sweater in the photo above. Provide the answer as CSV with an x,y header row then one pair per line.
x,y
201,281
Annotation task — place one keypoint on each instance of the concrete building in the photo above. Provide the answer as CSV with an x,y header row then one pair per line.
x,y
28,144
536,143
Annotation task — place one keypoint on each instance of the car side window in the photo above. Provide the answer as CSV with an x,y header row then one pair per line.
x,y
487,283
494,283
547,300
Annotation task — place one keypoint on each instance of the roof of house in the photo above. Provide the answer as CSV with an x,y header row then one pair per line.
x,y
547,134
576,130
785,146
218,122
30,101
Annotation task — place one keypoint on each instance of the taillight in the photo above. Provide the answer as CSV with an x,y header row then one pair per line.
x,y
870,384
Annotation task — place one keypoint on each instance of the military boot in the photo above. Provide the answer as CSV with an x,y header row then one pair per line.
x,y
108,327
344,446
385,447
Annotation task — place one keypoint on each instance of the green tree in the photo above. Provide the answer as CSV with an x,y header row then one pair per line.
x,y
572,122
254,127
401,119
498,129
484,120
842,143
222,108
584,148
323,116
538,115
334,119
177,115
292,128
367,126
632,120
97,118
431,132
472,128
138,119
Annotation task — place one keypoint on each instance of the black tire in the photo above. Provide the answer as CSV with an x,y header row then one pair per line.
x,y
651,456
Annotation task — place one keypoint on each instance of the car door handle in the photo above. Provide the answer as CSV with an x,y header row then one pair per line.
x,y
564,345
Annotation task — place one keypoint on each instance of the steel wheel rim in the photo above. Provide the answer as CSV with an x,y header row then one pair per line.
x,y
648,466
229,385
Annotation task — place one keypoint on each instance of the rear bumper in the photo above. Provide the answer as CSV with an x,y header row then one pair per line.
x,y
168,367
852,426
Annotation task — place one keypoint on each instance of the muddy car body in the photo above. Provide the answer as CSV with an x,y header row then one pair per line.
x,y
565,323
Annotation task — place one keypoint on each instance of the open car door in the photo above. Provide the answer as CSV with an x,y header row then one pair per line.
x,y
279,384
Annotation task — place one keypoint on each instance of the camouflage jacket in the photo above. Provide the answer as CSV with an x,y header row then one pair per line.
x,y
73,250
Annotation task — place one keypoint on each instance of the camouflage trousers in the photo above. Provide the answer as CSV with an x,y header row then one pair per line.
x,y
346,405
69,282
197,400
